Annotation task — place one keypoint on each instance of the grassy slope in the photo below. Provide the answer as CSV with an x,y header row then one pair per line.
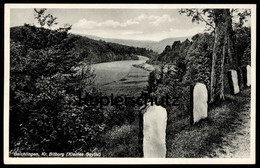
x,y
204,139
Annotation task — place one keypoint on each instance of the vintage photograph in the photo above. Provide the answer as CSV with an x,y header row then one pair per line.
x,y
95,81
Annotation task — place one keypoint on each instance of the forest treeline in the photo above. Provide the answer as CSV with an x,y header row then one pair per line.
x,y
87,49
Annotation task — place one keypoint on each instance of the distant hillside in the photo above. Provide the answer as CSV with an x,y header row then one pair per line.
x,y
160,46
88,49
153,45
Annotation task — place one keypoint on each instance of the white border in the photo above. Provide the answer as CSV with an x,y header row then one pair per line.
x,y
9,160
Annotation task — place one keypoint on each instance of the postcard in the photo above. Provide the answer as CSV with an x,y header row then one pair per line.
x,y
129,83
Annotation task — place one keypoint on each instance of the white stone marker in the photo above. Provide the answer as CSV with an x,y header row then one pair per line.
x,y
248,75
200,102
154,130
234,81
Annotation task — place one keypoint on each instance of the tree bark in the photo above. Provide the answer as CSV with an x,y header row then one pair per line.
x,y
232,55
222,88
217,72
224,43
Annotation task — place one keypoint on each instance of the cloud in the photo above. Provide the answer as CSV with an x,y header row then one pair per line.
x,y
155,20
152,19
90,24
141,27
160,35
184,32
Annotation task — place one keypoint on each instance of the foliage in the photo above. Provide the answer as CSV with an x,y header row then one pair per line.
x,y
51,73
199,59
43,108
243,46
207,16
43,19
173,53
82,47
201,15
242,17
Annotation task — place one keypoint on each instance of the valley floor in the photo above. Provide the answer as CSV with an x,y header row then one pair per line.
x,y
121,77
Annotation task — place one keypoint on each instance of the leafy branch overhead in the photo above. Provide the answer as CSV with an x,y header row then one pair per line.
x,y
44,19
200,15
239,17
242,17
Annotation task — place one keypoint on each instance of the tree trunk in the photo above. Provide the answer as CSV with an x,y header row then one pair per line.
x,y
222,87
224,43
217,73
232,55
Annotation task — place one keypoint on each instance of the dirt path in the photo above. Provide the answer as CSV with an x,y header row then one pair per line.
x,y
236,144
224,134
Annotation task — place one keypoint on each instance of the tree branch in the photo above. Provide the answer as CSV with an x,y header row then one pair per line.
x,y
205,21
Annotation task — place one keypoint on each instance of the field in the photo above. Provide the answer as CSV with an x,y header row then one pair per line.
x,y
121,77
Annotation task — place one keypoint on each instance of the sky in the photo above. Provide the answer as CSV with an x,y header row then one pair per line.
x,y
134,24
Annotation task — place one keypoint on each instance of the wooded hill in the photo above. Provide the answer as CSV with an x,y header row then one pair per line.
x,y
93,51
156,46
